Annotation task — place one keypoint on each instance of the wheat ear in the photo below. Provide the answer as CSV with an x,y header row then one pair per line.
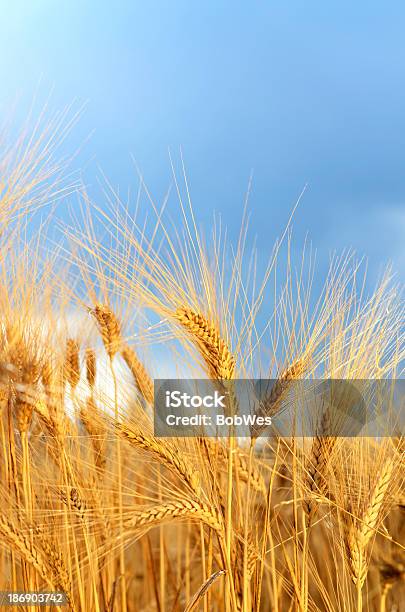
x,y
91,370
52,412
57,565
390,573
198,596
206,337
294,372
110,330
319,459
25,392
24,546
359,535
164,452
44,559
72,363
96,430
74,501
176,509
109,327
255,477
142,379
270,405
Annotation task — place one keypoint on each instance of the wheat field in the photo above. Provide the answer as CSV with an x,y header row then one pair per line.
x,y
92,503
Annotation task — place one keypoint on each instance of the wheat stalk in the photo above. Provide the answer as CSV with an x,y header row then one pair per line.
x,y
221,365
110,330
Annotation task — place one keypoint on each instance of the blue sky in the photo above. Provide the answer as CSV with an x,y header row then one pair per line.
x,y
295,93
